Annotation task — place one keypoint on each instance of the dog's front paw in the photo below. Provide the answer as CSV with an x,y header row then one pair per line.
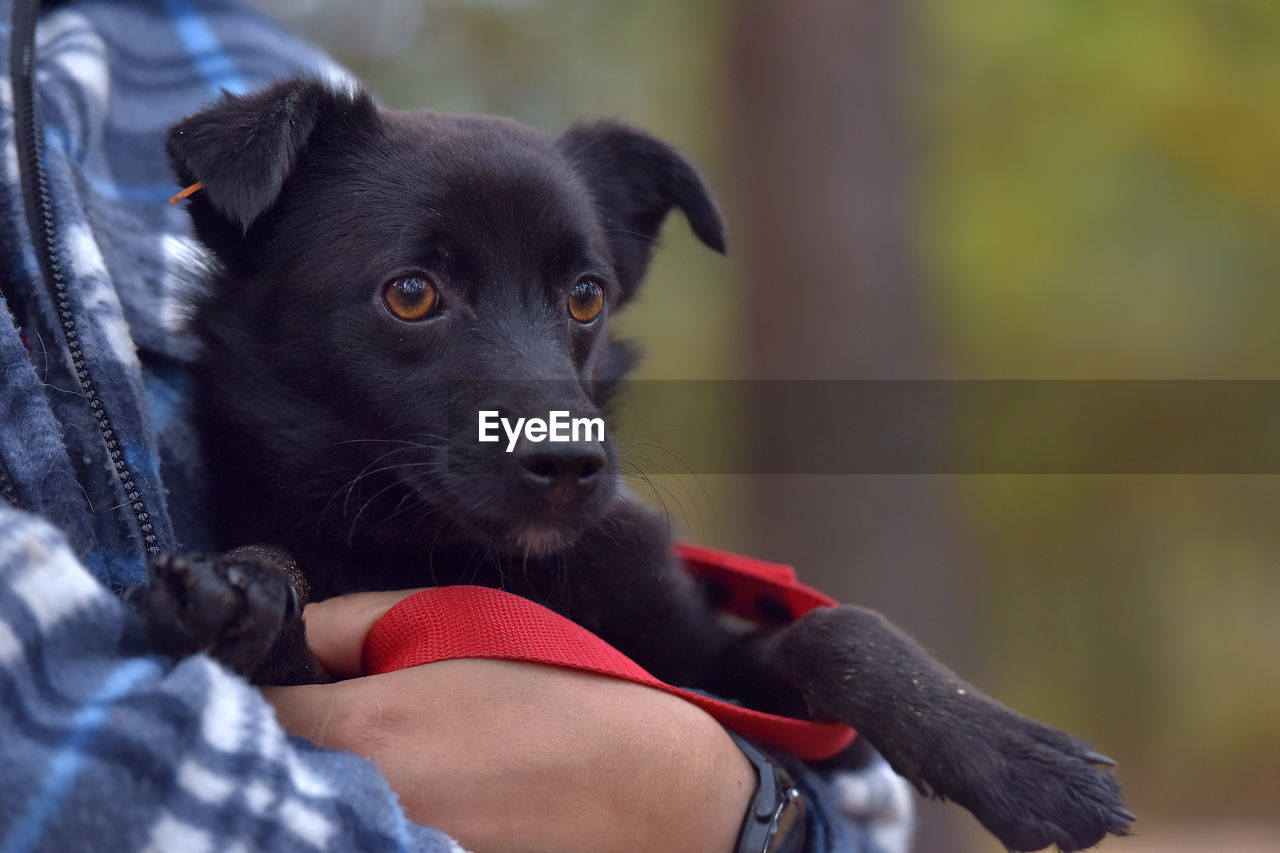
x,y
231,607
1029,784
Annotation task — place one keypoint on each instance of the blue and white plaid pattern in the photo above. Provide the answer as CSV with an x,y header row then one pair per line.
x,y
103,750
104,746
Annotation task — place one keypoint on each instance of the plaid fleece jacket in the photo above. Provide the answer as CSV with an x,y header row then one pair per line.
x,y
104,745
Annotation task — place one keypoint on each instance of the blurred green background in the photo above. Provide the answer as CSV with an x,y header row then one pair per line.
x,y
1025,189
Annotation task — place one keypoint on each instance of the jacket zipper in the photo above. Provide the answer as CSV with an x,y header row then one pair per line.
x,y
7,490
39,204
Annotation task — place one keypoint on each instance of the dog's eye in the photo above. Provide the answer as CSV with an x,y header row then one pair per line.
x,y
585,300
411,298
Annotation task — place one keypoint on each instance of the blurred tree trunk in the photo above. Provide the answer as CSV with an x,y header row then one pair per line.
x,y
822,165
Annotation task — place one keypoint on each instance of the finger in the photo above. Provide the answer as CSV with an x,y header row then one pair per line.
x,y
337,627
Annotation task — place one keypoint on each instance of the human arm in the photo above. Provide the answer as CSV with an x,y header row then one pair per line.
x,y
868,810
514,756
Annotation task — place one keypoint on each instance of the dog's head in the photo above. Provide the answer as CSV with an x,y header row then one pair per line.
x,y
387,277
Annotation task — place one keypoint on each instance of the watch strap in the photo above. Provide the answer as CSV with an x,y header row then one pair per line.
x,y
776,820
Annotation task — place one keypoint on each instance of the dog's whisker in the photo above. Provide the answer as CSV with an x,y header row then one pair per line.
x,y
648,481
347,489
407,501
660,490
404,441
355,522
688,470
365,472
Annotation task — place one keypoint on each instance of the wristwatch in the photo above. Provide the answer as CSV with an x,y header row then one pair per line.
x,y
776,818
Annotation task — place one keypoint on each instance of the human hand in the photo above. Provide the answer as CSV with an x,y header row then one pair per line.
x,y
509,756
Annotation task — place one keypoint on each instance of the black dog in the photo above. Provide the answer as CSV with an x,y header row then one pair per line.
x,y
387,276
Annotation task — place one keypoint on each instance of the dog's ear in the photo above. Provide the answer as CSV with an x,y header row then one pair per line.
x,y
243,149
635,180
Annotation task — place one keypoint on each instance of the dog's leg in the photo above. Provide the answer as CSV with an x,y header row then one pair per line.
x,y
1029,784
243,608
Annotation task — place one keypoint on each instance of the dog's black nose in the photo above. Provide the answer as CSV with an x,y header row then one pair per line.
x,y
564,468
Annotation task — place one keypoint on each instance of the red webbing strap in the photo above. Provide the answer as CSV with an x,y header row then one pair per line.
x,y
447,623
749,580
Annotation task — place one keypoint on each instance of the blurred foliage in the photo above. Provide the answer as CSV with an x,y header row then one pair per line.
x,y
1099,197
1097,190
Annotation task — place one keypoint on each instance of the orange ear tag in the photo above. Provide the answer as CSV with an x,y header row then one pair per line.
x,y
189,191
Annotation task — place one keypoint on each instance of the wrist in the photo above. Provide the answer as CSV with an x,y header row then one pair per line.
x,y
776,818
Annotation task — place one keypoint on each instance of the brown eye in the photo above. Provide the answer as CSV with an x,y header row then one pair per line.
x,y
585,300
411,297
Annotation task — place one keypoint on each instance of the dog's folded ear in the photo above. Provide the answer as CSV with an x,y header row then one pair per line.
x,y
243,149
636,180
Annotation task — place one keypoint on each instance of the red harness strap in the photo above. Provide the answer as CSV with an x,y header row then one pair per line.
x,y
446,623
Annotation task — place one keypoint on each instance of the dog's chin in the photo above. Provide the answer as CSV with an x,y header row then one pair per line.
x,y
539,540
522,531
525,539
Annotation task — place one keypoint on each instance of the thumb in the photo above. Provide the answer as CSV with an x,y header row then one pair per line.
x,y
337,627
